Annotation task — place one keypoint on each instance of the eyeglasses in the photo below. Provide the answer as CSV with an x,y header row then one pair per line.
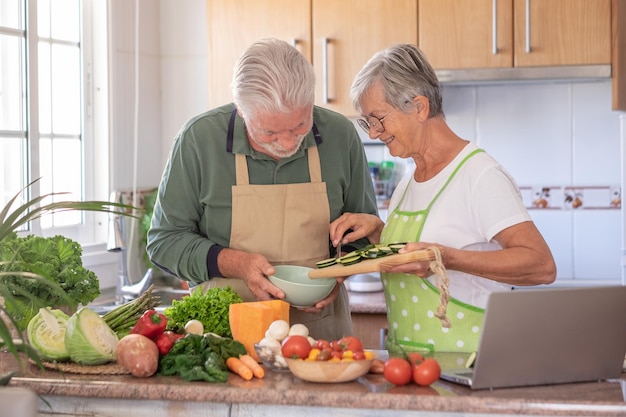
x,y
372,122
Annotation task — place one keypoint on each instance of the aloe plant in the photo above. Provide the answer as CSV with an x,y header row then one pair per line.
x,y
11,220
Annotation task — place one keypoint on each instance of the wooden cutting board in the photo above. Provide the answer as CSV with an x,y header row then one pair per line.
x,y
371,265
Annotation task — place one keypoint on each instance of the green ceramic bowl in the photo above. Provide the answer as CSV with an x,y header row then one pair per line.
x,y
300,290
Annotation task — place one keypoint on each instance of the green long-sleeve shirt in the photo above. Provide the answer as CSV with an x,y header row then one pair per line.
x,y
192,215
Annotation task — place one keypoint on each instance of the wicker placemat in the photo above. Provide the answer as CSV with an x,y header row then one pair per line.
x,y
75,368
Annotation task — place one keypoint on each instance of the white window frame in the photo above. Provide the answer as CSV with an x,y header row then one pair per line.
x,y
95,120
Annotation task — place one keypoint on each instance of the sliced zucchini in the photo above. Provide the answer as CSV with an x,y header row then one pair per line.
x,y
395,247
349,260
326,263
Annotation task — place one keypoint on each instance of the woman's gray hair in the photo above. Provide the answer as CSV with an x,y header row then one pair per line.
x,y
272,76
404,73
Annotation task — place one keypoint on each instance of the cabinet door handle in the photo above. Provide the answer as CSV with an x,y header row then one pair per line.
x,y
294,42
527,26
494,26
325,98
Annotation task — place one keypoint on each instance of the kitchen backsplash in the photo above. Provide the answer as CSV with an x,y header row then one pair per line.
x,y
561,142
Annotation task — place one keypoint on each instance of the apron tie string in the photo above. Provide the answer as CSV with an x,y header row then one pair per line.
x,y
441,281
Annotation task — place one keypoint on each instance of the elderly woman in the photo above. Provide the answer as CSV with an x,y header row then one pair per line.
x,y
457,199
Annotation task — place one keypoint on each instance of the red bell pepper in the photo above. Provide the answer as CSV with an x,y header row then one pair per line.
x,y
151,324
166,340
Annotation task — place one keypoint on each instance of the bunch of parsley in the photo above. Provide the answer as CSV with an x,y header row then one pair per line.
x,y
58,259
210,308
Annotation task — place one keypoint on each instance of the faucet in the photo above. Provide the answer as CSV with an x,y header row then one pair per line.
x,y
125,289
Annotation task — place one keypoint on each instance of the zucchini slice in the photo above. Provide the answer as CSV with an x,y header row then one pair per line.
x,y
326,263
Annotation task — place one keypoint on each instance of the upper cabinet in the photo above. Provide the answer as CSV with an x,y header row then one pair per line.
x,y
346,34
234,25
338,37
460,34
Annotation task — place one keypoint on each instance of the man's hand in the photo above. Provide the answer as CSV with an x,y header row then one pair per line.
x,y
253,269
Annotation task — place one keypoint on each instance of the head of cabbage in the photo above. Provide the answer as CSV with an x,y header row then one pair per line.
x,y
46,333
88,338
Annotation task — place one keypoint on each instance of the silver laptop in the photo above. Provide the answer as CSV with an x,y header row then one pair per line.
x,y
548,336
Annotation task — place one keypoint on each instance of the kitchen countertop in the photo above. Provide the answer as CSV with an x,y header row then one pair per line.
x,y
281,392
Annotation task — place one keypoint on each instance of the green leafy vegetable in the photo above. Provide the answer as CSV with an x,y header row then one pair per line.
x,y
13,217
210,308
59,260
200,358
46,333
88,339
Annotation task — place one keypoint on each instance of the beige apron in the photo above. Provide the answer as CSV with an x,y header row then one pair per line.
x,y
288,224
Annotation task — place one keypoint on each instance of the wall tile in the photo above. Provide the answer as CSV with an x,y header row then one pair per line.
x,y
527,128
556,228
597,244
596,140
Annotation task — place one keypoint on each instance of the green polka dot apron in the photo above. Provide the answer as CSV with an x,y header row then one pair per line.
x,y
412,301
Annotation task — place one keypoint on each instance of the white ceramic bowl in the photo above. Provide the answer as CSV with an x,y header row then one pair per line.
x,y
329,372
300,290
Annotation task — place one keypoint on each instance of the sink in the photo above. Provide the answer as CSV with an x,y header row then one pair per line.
x,y
165,286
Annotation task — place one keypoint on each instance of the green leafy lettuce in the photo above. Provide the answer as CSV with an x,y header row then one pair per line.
x,y
210,308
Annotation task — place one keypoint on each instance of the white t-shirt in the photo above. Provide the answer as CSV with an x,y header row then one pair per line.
x,y
480,201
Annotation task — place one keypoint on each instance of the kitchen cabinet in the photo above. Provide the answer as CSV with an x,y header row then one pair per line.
x,y
233,26
338,38
370,328
457,34
345,36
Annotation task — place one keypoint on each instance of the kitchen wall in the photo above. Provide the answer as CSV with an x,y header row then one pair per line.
x,y
546,134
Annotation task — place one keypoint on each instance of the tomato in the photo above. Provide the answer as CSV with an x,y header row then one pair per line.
x,y
415,358
426,372
359,355
336,354
398,371
350,343
322,344
324,355
335,345
296,347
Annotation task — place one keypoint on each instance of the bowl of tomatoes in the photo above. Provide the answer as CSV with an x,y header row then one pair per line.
x,y
342,360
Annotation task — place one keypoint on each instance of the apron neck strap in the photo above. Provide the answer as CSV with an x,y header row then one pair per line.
x,y
458,167
231,132
241,164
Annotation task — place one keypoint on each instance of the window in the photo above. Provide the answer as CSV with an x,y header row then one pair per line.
x,y
47,114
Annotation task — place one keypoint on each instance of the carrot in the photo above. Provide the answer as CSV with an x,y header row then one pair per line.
x,y
238,367
257,370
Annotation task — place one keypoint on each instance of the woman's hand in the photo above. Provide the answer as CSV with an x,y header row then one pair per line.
x,y
419,268
361,224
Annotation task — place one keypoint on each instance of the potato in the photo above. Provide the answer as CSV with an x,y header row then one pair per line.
x,y
138,355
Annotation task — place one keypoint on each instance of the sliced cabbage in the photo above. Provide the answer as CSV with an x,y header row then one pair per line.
x,y
46,333
88,338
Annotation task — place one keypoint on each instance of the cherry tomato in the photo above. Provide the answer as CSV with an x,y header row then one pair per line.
x,y
358,355
350,343
426,372
322,344
336,354
336,346
324,355
415,358
398,371
296,347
